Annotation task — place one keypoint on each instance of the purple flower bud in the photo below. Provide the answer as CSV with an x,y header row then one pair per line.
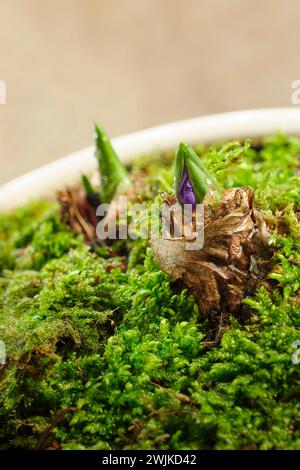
x,y
185,191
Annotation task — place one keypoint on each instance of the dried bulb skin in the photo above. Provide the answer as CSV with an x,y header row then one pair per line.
x,y
219,274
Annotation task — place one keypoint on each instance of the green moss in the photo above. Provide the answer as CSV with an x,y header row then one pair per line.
x,y
125,351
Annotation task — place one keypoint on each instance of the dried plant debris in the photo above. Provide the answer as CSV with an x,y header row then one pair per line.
x,y
79,212
233,259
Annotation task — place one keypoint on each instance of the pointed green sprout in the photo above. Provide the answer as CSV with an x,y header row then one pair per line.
x,y
191,177
112,172
87,185
91,194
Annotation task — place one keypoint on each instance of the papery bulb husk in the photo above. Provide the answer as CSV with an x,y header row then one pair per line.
x,y
234,257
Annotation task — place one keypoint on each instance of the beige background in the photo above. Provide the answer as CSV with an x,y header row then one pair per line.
x,y
134,63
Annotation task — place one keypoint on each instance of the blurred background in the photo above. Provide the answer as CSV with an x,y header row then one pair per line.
x,y
130,64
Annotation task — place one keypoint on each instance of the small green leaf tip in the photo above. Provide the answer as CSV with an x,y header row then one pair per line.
x,y
191,177
87,185
91,194
112,171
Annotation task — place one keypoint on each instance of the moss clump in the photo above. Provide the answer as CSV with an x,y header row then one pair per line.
x,y
118,359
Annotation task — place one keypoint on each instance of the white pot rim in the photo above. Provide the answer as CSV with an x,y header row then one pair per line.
x,y
253,124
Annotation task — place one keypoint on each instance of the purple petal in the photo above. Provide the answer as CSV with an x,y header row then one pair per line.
x,y
185,191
